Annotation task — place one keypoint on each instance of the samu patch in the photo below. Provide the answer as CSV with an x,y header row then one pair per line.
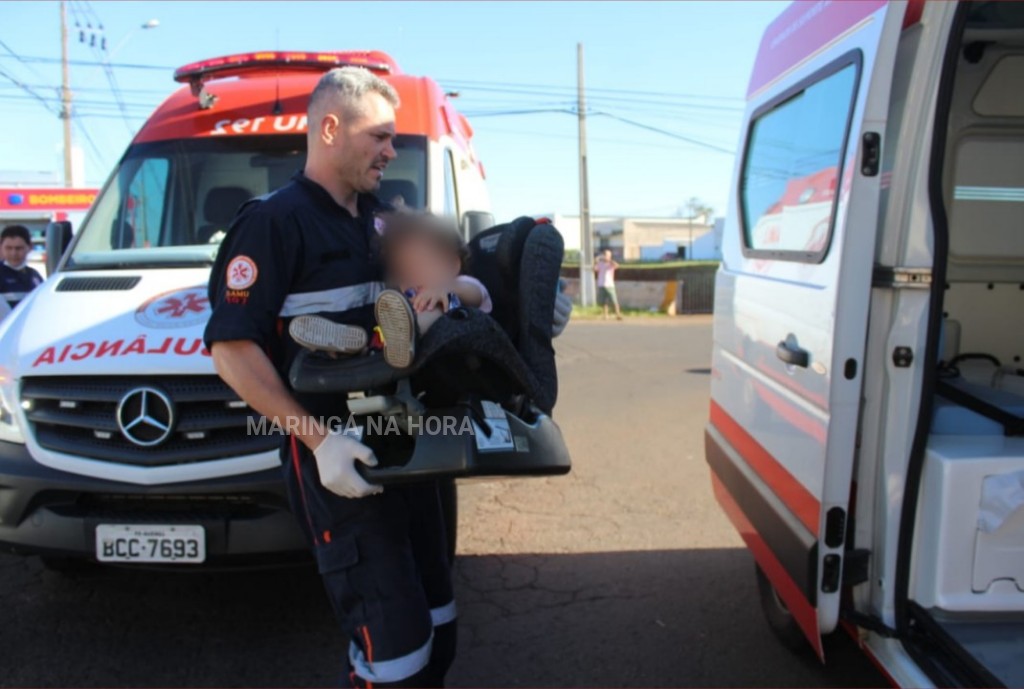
x,y
241,273
233,296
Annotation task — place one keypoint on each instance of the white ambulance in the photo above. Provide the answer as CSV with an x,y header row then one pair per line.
x,y
866,432
118,441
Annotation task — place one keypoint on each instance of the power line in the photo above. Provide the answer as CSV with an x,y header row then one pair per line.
x,y
95,103
590,90
102,89
665,98
617,99
674,135
624,120
26,89
18,58
90,63
594,139
85,9
505,113
92,144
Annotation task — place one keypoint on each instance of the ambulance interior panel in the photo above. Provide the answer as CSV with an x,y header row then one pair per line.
x,y
968,547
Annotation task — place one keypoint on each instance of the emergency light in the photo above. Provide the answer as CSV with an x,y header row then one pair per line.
x,y
232,65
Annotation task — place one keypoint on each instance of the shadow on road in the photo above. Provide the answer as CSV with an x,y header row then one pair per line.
x,y
649,618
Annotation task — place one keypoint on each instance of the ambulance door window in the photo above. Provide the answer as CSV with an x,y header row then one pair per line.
x,y
451,200
142,215
792,167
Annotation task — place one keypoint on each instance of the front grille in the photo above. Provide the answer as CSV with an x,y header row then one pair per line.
x,y
95,283
159,508
78,416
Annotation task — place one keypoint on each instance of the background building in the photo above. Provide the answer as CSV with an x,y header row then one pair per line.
x,y
646,239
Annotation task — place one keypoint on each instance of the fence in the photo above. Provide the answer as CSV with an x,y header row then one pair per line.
x,y
696,293
693,295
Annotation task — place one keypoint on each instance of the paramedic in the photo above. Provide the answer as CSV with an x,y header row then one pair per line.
x,y
311,248
17,278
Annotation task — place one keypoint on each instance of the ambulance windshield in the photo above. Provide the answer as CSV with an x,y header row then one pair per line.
x,y
170,203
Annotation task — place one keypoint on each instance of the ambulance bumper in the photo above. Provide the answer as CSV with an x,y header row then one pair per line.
x,y
245,518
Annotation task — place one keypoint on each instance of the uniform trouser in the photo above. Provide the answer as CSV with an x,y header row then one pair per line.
x,y
384,564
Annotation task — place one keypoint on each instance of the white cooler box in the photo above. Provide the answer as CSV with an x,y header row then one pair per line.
x,y
969,542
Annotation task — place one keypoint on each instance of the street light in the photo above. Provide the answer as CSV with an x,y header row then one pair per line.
x,y
151,24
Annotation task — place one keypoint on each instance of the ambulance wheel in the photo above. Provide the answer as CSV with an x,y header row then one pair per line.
x,y
450,513
780,619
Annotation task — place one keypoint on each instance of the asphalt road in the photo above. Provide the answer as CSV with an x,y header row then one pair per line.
x,y
624,573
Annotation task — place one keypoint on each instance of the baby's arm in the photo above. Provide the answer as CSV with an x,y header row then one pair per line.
x,y
471,292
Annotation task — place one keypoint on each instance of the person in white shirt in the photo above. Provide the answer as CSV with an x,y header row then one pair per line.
x,y
604,268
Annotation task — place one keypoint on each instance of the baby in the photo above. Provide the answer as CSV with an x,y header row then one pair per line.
x,y
424,256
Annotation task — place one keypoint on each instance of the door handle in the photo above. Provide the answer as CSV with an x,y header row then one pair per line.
x,y
792,354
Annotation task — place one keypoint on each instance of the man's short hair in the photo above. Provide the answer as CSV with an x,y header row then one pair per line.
x,y
16,232
349,85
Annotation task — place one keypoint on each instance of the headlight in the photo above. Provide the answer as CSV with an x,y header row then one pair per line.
x,y
10,430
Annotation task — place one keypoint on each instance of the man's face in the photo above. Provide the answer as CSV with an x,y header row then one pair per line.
x,y
14,249
607,255
365,143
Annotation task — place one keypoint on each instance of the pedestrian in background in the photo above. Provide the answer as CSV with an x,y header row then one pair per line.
x,y
604,268
17,278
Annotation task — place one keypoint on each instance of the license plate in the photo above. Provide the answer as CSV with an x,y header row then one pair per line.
x,y
150,543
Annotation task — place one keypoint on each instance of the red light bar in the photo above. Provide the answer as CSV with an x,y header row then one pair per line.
x,y
231,65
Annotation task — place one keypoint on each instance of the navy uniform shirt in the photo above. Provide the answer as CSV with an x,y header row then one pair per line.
x,y
294,252
16,283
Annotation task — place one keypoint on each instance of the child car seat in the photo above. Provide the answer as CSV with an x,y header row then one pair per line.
x,y
479,395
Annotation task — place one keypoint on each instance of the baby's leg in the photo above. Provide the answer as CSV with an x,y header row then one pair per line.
x,y
425,319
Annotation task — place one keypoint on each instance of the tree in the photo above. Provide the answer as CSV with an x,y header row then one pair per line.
x,y
695,208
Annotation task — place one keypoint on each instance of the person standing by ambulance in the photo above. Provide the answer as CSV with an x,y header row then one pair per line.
x,y
17,278
311,248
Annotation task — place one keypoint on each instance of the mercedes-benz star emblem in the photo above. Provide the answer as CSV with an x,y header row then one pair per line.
x,y
145,416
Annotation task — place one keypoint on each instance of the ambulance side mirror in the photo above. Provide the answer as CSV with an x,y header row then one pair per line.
x,y
58,238
475,222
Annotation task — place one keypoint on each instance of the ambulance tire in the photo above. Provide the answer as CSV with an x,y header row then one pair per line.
x,y
450,511
780,619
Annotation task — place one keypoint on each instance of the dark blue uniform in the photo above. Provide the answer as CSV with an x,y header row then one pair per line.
x,y
383,558
16,283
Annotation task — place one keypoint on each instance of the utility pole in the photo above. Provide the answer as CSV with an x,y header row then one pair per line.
x,y
65,93
586,236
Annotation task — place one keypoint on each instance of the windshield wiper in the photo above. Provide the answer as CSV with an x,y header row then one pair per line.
x,y
136,259
137,265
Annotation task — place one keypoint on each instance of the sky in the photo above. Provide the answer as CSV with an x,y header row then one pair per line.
x,y
665,84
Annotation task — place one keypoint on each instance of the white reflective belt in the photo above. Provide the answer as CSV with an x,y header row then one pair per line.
x,y
331,300
443,614
394,670
14,296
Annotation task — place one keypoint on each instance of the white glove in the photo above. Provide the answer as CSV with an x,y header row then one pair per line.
x,y
336,458
563,309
